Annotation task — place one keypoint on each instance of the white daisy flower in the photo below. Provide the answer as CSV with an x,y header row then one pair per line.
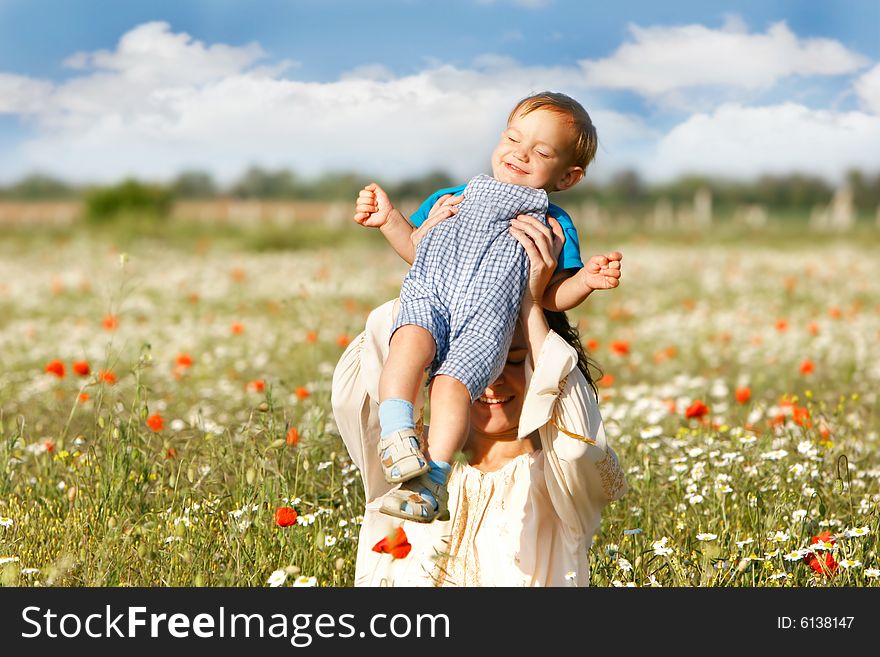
x,y
779,537
277,578
706,537
849,563
302,580
660,548
796,555
873,573
6,522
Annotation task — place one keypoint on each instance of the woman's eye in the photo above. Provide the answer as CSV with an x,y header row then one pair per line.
x,y
543,154
512,139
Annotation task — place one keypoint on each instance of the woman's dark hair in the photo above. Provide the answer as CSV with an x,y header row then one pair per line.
x,y
559,324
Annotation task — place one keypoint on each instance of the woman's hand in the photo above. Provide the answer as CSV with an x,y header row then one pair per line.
x,y
543,246
446,206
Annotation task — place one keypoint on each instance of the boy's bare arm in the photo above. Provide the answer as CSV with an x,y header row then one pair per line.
x,y
374,209
398,231
568,290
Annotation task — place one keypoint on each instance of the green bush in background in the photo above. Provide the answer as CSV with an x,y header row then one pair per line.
x,y
130,199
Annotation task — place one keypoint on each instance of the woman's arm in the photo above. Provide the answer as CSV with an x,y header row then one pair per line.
x,y
581,470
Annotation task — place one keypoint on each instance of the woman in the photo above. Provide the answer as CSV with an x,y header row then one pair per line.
x,y
524,508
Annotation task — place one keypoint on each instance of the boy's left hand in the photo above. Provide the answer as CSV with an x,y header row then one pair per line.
x,y
602,272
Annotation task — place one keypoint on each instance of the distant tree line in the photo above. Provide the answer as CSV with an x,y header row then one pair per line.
x,y
626,188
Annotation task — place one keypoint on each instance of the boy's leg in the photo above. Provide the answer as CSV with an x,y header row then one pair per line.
x,y
450,423
411,350
450,418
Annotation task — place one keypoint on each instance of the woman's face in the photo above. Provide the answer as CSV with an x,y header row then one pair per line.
x,y
496,413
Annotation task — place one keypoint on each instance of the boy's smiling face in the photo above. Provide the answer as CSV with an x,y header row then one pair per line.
x,y
536,150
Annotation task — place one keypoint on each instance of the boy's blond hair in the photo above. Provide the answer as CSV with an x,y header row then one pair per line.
x,y
587,139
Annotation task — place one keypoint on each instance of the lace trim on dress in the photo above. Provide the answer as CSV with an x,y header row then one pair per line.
x,y
611,475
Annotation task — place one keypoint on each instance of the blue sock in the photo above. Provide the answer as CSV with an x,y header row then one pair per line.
x,y
394,415
438,474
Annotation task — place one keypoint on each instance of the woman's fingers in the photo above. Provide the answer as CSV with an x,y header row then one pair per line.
x,y
540,234
526,241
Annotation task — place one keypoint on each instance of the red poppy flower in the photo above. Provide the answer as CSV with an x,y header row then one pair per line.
x,y
237,328
83,397
807,367
620,347
155,422
743,395
606,381
110,322
106,376
665,354
343,340
813,328
825,537
826,569
592,344
697,409
826,565
395,544
257,385
801,416
781,325
237,274
49,445
285,516
302,392
312,337
56,367
171,453
292,436
184,360
82,368
834,312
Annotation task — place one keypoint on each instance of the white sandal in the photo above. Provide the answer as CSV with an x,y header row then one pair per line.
x,y
401,456
395,501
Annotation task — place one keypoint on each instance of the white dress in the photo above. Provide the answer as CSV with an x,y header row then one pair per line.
x,y
530,523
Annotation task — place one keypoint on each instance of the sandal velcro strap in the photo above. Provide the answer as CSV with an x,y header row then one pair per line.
x,y
401,456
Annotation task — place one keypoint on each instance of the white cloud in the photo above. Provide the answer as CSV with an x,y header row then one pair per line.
x,y
868,90
22,95
660,61
743,142
162,101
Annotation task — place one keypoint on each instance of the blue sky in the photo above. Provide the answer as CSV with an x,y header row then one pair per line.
x,y
402,86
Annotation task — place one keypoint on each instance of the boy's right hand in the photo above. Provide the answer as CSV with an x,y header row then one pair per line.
x,y
372,207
